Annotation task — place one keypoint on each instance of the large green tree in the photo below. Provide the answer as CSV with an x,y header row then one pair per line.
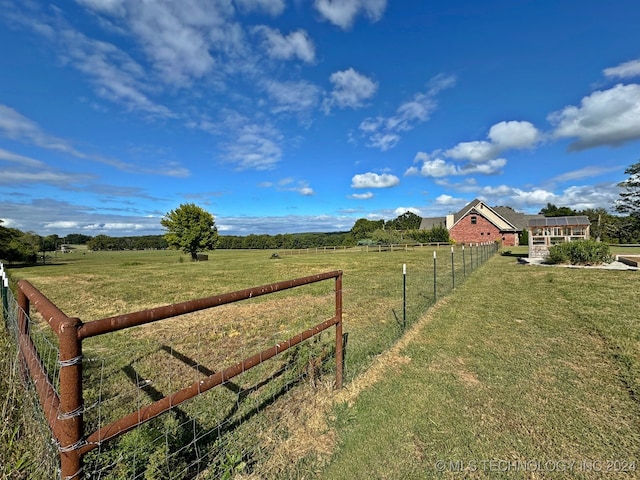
x,y
552,211
406,221
363,228
191,229
629,201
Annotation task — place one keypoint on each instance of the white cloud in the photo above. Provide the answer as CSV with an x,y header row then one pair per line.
x,y
17,177
624,70
384,132
447,200
284,224
585,172
476,151
342,13
503,136
514,134
402,210
383,141
290,185
255,147
437,168
248,143
21,160
297,44
111,227
350,90
500,190
374,180
177,36
610,117
112,7
48,216
534,197
270,7
16,126
491,167
362,196
581,197
115,75
298,96
576,197
63,225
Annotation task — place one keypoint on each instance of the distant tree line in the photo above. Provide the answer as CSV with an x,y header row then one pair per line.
x,y
144,242
28,247
285,240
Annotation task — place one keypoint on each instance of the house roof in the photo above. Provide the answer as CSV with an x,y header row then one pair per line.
x,y
504,218
579,220
481,208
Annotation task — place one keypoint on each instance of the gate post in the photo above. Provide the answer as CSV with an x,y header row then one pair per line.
x,y
70,417
339,339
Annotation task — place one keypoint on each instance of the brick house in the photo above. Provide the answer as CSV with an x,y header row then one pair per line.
x,y
477,222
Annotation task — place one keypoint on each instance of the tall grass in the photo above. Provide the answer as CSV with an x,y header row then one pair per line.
x,y
24,452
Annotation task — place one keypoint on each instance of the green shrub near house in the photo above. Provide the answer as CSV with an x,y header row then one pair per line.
x,y
580,252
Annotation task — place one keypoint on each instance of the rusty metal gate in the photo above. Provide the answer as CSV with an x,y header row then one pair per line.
x,y
64,409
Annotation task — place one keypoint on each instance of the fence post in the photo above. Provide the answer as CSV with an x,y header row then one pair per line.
x,y
464,265
4,288
339,339
23,331
435,277
23,312
453,271
404,296
477,256
70,417
5,298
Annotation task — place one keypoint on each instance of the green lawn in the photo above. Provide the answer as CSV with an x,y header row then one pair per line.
x,y
522,364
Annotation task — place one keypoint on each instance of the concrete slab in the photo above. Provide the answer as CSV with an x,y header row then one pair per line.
x,y
615,265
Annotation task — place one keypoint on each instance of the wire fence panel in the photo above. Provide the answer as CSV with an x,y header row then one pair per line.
x,y
21,401
129,377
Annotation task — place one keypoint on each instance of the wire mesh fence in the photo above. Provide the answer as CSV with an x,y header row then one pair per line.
x,y
239,427
23,418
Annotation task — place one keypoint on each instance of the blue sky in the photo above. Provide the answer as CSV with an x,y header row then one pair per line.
x,y
282,116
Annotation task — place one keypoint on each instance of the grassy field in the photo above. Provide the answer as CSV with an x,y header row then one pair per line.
x,y
547,369
101,284
521,372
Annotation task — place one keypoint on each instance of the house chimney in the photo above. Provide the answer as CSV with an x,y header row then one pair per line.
x,y
449,221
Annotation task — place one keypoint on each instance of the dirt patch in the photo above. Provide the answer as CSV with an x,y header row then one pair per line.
x,y
457,368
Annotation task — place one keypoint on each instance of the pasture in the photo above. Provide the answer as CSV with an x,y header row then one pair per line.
x,y
504,368
131,368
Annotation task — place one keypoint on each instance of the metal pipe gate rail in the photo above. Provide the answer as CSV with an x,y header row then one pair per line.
x,y
64,411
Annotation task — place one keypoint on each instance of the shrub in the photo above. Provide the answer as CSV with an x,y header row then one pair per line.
x,y
580,252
